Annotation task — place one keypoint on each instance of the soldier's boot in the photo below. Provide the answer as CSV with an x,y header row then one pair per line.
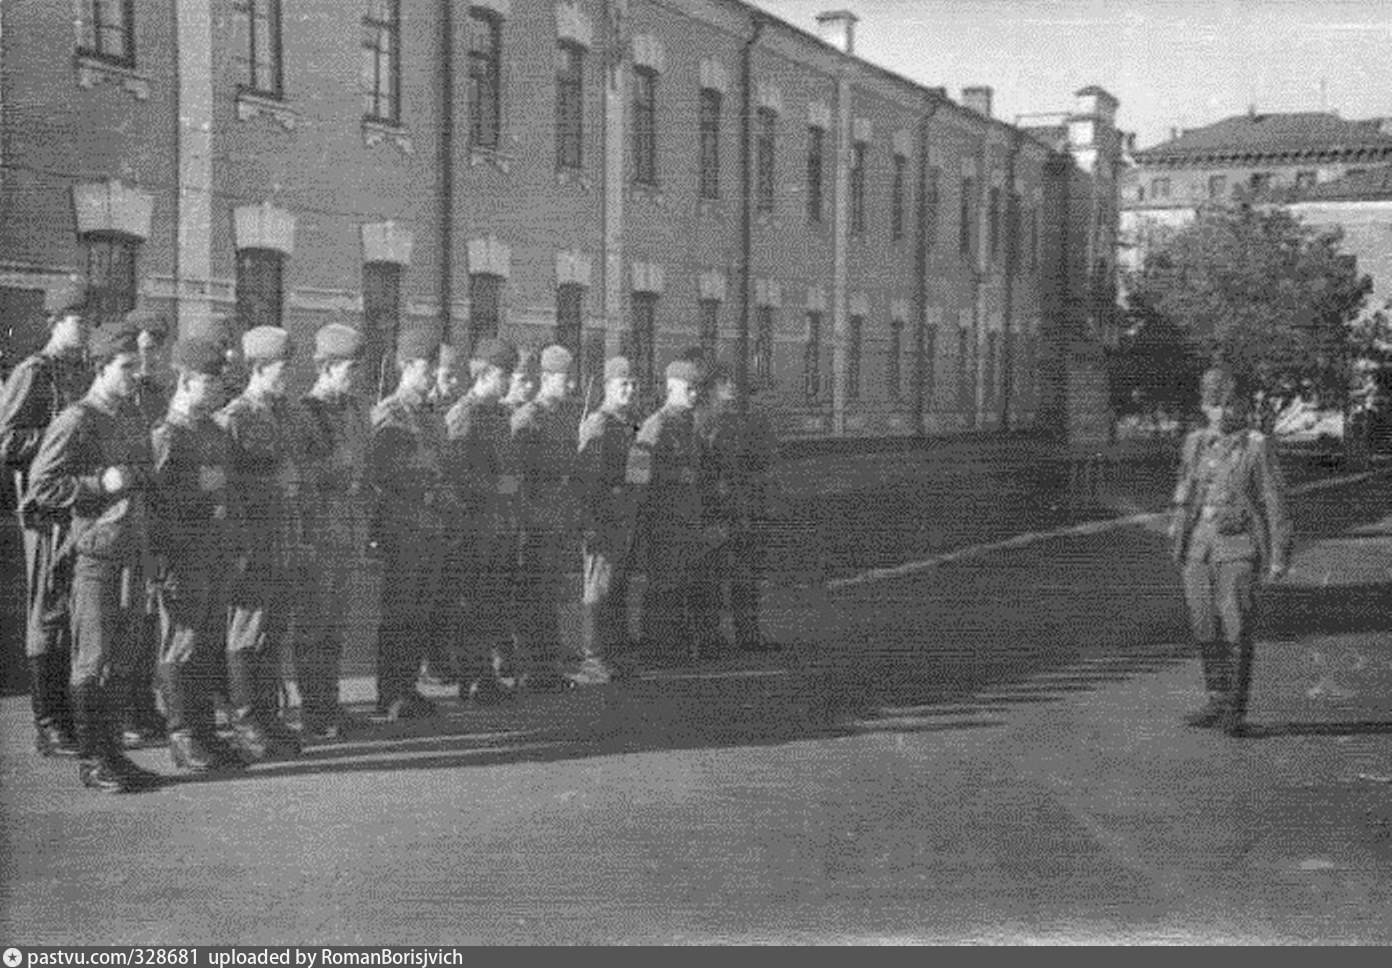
x,y
1215,670
142,713
101,764
283,740
250,734
53,730
1234,720
138,723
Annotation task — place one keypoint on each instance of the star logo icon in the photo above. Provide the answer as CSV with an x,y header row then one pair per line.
x,y
13,957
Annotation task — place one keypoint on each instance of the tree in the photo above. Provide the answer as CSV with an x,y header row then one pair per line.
x,y
1153,368
1260,291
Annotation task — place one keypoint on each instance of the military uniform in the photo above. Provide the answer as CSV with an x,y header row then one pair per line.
x,y
664,467
483,542
404,468
607,517
38,389
739,453
1230,526
544,433
332,454
109,543
190,536
267,535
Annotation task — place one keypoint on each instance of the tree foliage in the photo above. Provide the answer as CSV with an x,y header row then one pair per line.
x,y
1262,292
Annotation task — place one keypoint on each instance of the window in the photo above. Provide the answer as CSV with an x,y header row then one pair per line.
x,y
1013,231
257,49
638,342
382,62
965,393
645,126
570,311
260,287
1305,179
709,123
1217,185
767,126
853,358
1159,188
110,275
108,31
763,346
710,326
893,366
1260,182
932,203
993,217
927,367
485,78
816,148
896,199
812,358
485,306
570,105
381,321
966,217
858,189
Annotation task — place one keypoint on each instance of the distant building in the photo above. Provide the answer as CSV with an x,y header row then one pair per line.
x,y
635,175
1328,170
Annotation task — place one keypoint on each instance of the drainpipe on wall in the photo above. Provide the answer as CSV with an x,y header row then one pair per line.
x,y
175,271
746,210
614,13
1012,257
446,165
921,272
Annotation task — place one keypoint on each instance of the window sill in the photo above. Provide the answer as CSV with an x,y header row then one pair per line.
x,y
252,105
375,132
574,176
490,157
92,71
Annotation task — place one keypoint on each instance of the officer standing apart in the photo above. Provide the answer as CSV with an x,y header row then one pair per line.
x,y
404,469
482,543
41,387
606,437
189,536
331,451
265,517
544,437
1230,529
94,463
664,468
740,452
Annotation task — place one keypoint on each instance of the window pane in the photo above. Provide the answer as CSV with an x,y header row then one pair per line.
x,y
896,349
767,125
815,138
381,322
570,300
710,143
853,358
812,358
896,202
858,189
710,325
569,106
645,127
484,293
485,78
638,342
259,287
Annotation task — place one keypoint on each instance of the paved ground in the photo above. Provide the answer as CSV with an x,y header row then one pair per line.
x,y
984,749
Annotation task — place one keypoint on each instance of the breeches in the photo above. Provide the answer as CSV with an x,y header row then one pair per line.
x,y
1219,597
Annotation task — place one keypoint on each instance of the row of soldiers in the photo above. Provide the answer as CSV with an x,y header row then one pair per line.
x,y
177,542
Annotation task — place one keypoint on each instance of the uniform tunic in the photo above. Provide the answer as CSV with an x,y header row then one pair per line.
x,y
607,511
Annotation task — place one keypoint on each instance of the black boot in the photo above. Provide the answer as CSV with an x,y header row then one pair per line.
x,y
53,733
1234,721
94,770
251,740
1215,670
284,742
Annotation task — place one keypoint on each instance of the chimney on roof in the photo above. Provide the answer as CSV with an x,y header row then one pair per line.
x,y
978,98
837,28
1174,133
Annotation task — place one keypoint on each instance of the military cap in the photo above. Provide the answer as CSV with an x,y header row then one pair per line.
x,y
193,354
684,370
265,344
337,341
528,363
416,343
147,321
110,341
556,359
618,368
1217,387
72,307
496,352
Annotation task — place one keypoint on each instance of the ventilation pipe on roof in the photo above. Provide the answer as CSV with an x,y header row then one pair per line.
x,y
837,28
978,98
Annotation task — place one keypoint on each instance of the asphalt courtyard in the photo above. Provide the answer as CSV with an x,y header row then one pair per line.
x,y
970,737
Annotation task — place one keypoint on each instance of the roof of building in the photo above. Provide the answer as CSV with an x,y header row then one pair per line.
x,y
1306,133
1374,183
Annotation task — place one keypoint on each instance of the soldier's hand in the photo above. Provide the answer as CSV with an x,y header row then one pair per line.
x,y
115,479
211,477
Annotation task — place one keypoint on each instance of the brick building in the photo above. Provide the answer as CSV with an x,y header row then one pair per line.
x,y
635,175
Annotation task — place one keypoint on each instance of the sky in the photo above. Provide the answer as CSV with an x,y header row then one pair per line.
x,y
1171,63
